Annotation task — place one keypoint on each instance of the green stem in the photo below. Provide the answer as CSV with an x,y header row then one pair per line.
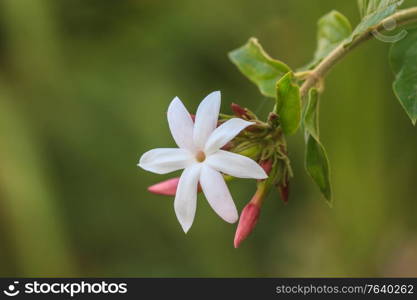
x,y
316,75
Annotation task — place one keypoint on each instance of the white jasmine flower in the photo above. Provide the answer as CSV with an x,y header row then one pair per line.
x,y
202,159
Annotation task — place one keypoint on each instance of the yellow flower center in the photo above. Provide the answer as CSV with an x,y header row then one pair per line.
x,y
200,156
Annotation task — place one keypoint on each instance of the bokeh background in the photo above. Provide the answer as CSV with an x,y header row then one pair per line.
x,y
84,86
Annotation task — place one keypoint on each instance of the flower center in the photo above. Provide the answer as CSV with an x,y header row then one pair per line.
x,y
200,156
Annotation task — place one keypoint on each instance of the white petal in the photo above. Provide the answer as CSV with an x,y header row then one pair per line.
x,y
225,133
186,197
206,118
235,165
165,160
180,124
217,194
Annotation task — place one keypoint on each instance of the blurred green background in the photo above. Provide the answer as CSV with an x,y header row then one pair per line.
x,y
84,86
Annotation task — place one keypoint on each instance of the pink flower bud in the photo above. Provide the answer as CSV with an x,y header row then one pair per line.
x,y
266,165
167,187
228,146
272,117
247,222
239,111
284,191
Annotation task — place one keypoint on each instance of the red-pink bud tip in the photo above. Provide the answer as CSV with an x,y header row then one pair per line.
x,y
247,222
284,191
272,116
239,111
167,187
266,165
228,146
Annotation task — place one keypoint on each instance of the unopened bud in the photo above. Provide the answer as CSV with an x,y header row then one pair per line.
x,y
239,111
250,215
228,146
266,165
273,119
252,151
167,187
272,116
247,222
284,190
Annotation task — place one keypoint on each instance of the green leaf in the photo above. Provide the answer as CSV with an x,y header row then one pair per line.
x,y
258,66
311,114
403,58
288,105
373,12
333,28
317,165
316,161
368,7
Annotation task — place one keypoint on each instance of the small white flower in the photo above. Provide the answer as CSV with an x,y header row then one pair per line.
x,y
200,156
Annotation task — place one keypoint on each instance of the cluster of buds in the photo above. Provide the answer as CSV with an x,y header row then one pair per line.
x,y
269,149
262,142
